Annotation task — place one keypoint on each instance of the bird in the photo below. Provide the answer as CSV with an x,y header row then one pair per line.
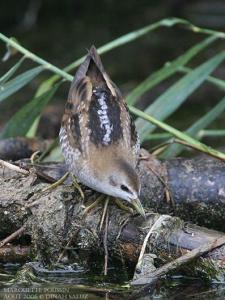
x,y
98,137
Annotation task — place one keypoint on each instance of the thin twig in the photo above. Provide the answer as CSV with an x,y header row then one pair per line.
x,y
105,243
13,167
12,236
38,172
44,176
186,258
157,223
104,213
168,193
64,250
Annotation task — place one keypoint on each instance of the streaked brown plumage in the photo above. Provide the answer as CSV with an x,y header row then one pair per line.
x,y
98,138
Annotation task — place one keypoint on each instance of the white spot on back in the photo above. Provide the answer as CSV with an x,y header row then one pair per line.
x,y
104,119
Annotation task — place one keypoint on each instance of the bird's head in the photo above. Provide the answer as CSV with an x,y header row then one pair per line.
x,y
122,181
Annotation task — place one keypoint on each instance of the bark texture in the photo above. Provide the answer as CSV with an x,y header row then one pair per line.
x,y
60,232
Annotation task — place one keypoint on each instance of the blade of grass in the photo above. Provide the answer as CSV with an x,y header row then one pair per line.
x,y
20,123
18,82
11,72
211,133
193,130
124,39
219,83
34,57
167,70
169,22
170,100
178,134
214,133
111,45
132,36
103,49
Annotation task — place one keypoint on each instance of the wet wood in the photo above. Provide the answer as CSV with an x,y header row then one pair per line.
x,y
56,219
15,254
21,147
193,189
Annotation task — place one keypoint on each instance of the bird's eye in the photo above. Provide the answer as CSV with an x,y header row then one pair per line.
x,y
124,188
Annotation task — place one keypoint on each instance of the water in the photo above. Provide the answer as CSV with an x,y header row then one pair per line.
x,y
16,283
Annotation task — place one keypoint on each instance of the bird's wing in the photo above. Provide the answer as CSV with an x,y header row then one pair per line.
x,y
96,111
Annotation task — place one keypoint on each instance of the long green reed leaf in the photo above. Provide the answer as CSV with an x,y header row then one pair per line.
x,y
11,71
169,101
193,130
178,134
20,123
219,83
18,82
167,70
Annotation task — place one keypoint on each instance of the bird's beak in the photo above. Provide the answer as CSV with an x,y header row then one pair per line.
x,y
138,206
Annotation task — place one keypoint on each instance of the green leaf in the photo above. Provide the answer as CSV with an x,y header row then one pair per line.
x,y
169,22
201,134
180,135
169,101
20,123
18,82
219,83
11,72
211,133
167,70
193,130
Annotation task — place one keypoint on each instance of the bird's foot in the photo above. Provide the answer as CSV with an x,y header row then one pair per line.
x,y
123,206
94,204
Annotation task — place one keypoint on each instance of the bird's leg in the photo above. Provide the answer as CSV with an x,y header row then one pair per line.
x,y
77,186
57,183
61,180
49,187
94,204
123,207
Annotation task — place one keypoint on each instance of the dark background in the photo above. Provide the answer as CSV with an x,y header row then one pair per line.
x,y
62,31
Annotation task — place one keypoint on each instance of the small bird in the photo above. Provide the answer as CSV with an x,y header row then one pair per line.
x,y
98,137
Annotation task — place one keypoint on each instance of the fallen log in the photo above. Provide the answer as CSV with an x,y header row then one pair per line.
x,y
193,189
21,147
60,232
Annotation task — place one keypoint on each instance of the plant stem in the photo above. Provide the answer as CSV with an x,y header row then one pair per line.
x,y
180,135
35,58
